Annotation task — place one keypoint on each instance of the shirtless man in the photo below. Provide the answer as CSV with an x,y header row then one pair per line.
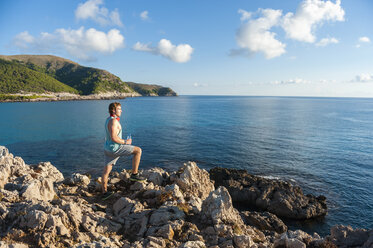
x,y
115,147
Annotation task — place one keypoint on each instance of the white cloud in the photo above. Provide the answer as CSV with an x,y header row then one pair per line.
x,y
144,15
364,39
244,14
92,10
311,13
326,41
199,85
143,47
363,78
361,40
327,81
22,39
256,37
79,43
180,53
291,81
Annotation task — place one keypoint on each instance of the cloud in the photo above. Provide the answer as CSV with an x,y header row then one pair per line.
x,y
199,85
79,43
92,10
364,39
291,81
361,40
363,78
256,37
22,39
180,53
327,81
144,15
326,41
311,13
244,14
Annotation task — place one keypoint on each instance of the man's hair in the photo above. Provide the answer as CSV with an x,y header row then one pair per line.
x,y
113,106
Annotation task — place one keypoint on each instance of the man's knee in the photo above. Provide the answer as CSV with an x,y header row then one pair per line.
x,y
137,150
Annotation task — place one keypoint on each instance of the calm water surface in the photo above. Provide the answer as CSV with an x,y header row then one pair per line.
x,y
322,144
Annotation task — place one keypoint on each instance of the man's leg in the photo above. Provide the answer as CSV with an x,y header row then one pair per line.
x,y
136,159
105,176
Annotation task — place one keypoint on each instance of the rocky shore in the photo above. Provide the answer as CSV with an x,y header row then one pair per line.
x,y
184,208
51,97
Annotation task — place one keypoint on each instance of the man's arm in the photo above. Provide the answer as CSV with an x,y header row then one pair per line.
x,y
114,129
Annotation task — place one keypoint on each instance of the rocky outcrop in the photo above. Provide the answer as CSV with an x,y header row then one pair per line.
x,y
177,209
275,196
264,221
346,236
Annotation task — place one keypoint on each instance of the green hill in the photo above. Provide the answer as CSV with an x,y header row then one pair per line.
x,y
152,89
16,78
85,80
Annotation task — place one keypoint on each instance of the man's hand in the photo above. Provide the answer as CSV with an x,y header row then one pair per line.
x,y
129,142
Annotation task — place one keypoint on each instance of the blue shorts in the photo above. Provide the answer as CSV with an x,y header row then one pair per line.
x,y
112,157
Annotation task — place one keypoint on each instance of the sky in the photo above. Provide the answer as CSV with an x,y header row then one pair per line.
x,y
239,47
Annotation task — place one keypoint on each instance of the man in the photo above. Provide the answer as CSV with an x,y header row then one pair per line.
x,y
115,147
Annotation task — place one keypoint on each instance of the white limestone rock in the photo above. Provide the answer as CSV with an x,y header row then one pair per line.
x,y
79,179
194,181
155,175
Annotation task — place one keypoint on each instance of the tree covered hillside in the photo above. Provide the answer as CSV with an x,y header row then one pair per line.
x,y
45,69
16,78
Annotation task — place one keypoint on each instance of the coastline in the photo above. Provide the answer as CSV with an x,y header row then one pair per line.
x,y
183,208
51,97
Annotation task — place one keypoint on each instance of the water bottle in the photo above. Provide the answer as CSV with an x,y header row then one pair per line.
x,y
129,136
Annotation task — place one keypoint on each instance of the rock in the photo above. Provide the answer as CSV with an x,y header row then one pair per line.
x,y
300,235
226,244
3,244
114,180
102,242
74,212
155,242
194,181
172,195
123,206
39,190
137,186
164,214
95,223
155,175
135,225
166,232
295,243
285,241
35,219
275,196
264,221
9,196
218,208
346,236
193,244
10,166
242,241
57,223
47,170
79,179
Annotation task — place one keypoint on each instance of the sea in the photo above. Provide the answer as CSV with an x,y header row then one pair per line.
x,y
324,145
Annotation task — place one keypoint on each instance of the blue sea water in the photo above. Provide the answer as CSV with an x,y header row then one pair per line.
x,y
322,144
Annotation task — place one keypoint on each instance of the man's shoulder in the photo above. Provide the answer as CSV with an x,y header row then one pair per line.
x,y
113,121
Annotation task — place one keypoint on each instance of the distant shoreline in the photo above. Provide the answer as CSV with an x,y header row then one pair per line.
x,y
53,97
